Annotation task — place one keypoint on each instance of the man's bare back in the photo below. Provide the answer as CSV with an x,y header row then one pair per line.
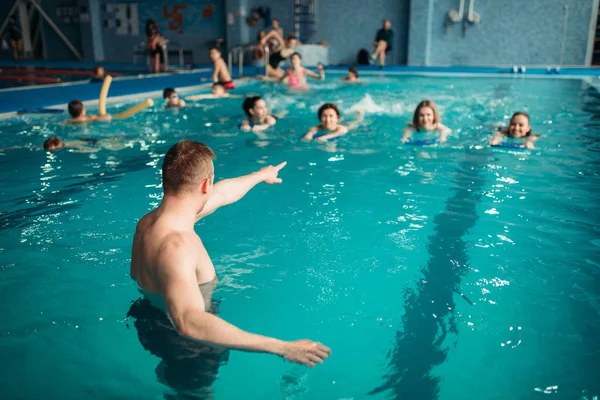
x,y
155,234
169,260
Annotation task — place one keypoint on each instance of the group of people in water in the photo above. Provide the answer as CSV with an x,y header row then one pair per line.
x,y
426,122
169,263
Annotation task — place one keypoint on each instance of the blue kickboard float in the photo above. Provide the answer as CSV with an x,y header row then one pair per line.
x,y
40,111
318,135
510,146
422,142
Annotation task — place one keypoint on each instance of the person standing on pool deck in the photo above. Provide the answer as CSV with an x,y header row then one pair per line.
x,y
383,42
170,264
15,34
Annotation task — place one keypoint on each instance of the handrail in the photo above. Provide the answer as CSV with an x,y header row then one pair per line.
x,y
267,51
237,55
142,47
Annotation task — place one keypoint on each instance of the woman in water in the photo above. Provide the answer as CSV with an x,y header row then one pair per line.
x,y
296,75
426,119
259,118
352,75
519,128
330,128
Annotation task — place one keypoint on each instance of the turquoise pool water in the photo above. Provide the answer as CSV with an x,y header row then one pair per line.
x,y
450,272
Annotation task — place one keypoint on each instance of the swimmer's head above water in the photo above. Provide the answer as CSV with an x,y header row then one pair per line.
x,y
218,89
76,109
329,115
426,115
99,72
172,98
188,168
53,143
296,60
255,108
519,126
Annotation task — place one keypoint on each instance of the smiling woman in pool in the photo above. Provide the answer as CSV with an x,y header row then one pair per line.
x,y
330,128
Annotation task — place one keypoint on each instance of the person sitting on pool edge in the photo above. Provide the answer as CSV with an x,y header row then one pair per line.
x,y
220,71
352,75
259,118
286,49
330,128
383,42
426,119
172,98
172,268
519,128
77,112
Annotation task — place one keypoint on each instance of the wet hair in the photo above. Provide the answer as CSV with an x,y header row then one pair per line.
x,y
75,108
185,166
97,69
168,92
429,104
328,106
218,84
296,54
52,143
291,36
524,114
249,104
354,71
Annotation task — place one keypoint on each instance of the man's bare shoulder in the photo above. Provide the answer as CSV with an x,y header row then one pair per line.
x,y
178,247
144,222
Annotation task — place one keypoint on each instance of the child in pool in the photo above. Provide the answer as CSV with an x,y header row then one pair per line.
x,y
329,115
77,111
172,98
259,118
519,128
218,92
352,75
296,75
426,119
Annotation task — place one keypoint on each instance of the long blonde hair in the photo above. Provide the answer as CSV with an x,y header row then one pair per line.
x,y
425,103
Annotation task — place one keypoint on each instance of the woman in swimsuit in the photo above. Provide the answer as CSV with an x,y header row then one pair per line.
x,y
296,76
273,69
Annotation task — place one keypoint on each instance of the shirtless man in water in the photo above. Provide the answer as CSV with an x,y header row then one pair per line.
x,y
171,265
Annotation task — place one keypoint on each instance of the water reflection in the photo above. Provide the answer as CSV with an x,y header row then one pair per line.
x,y
429,309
